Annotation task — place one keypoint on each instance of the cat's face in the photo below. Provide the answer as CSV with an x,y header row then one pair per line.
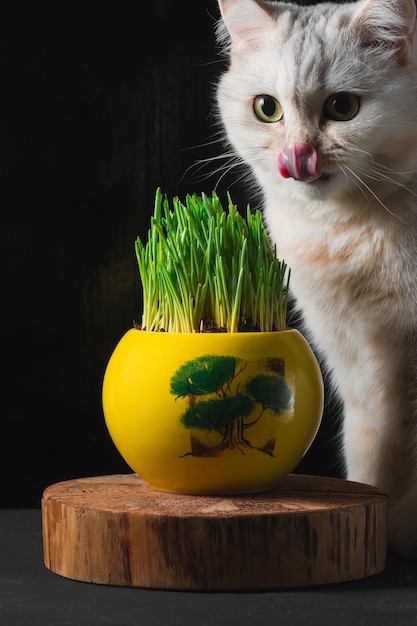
x,y
312,103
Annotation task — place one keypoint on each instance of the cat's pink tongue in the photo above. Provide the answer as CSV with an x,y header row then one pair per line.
x,y
298,160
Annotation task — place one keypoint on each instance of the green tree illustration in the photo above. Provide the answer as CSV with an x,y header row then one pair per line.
x,y
230,413
204,375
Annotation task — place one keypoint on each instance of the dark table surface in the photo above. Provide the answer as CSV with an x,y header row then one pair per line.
x,y
31,594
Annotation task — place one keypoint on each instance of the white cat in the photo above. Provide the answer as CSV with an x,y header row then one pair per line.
x,y
321,103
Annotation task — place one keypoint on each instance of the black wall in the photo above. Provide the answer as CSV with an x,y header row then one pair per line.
x,y
101,103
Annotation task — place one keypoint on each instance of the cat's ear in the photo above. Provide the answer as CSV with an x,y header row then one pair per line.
x,y
244,22
388,24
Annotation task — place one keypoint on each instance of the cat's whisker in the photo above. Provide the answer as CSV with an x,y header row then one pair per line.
x,y
237,180
354,180
231,162
226,172
386,173
200,164
348,63
236,162
218,140
343,171
371,191
405,174
378,172
377,175
379,167
199,167
353,148
375,171
209,160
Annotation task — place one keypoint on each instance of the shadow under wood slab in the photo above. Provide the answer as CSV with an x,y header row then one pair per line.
x,y
311,530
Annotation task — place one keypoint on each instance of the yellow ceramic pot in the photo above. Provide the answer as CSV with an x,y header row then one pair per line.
x,y
212,413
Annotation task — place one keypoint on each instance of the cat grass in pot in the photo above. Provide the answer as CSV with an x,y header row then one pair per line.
x,y
212,393
320,102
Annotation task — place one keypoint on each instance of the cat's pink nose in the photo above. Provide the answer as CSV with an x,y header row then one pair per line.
x,y
298,160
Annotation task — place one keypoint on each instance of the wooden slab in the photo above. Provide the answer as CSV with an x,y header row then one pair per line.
x,y
116,530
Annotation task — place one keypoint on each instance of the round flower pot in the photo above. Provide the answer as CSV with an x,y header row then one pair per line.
x,y
212,413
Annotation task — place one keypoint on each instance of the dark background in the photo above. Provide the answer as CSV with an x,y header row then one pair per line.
x,y
101,103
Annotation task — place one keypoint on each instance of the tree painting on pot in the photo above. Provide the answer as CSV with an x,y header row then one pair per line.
x,y
218,406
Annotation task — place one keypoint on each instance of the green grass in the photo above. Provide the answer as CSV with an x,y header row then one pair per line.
x,y
204,266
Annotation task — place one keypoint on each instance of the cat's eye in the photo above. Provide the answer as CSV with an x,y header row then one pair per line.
x,y
341,107
268,109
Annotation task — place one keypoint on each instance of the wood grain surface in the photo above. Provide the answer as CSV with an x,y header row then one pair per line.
x,y
311,530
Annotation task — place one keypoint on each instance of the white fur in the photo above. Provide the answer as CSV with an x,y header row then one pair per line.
x,y
350,240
